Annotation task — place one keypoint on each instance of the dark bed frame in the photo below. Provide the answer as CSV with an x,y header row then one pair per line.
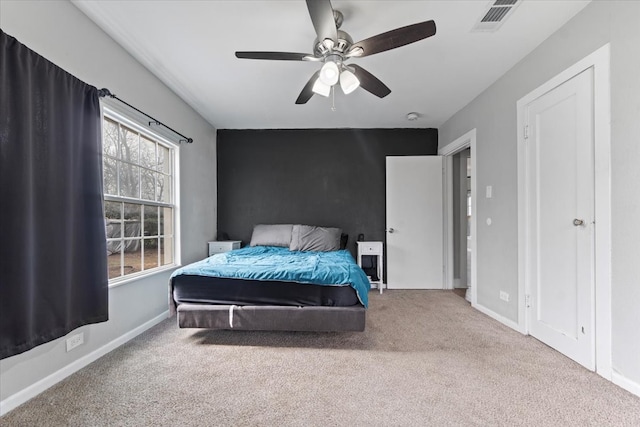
x,y
271,317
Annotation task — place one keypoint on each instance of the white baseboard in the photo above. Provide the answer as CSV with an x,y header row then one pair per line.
x,y
626,383
35,389
508,322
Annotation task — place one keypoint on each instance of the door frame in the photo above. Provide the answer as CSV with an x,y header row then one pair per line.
x,y
599,61
468,140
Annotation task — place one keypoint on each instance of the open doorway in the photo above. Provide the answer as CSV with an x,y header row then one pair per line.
x,y
460,218
461,222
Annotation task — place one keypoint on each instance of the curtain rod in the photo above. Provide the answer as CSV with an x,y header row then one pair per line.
x,y
106,92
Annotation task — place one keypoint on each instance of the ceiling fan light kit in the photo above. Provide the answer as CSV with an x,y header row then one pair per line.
x,y
334,47
329,73
321,88
348,82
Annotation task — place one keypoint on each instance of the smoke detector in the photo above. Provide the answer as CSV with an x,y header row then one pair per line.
x,y
412,116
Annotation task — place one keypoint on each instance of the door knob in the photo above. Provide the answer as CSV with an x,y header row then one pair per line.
x,y
390,230
578,222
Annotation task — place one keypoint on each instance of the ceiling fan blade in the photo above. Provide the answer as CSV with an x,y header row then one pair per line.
x,y
324,23
307,90
281,56
369,82
393,39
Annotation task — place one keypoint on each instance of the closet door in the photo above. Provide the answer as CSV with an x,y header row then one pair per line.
x,y
561,218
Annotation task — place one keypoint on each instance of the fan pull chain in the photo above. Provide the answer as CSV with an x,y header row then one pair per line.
x,y
333,98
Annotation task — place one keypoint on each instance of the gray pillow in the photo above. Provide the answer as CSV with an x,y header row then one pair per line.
x,y
312,238
271,235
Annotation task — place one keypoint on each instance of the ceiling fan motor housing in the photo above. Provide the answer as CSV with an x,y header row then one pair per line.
x,y
341,46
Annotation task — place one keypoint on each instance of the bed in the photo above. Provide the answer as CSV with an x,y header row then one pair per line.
x,y
290,278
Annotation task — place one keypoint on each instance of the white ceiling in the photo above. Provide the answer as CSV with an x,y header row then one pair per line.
x,y
190,46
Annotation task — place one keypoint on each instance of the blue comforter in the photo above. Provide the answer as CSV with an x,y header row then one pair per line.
x,y
335,268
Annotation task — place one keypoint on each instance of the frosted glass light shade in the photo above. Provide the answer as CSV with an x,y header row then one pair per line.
x,y
330,73
348,82
320,88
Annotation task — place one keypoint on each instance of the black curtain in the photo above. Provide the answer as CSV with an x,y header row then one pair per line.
x,y
53,266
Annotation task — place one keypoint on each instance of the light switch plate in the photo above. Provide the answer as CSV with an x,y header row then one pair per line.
x,y
489,192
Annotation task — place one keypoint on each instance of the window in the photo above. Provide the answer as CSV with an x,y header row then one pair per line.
x,y
139,198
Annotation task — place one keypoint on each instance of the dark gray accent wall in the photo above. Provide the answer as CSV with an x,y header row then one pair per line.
x,y
327,177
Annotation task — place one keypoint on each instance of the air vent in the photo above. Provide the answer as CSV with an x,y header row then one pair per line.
x,y
495,15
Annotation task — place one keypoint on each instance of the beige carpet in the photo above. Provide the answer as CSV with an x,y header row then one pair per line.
x,y
426,358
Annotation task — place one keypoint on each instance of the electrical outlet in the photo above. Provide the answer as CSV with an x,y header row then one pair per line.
x,y
504,296
75,340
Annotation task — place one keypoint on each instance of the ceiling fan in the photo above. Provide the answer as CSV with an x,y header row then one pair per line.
x,y
335,47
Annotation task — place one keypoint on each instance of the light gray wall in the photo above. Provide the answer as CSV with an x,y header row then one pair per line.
x,y
493,114
61,33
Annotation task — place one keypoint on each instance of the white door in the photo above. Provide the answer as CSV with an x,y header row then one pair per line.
x,y
560,224
414,222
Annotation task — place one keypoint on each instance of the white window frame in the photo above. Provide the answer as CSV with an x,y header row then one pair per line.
x,y
137,122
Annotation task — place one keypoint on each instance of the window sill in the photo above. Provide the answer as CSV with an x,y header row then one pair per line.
x,y
142,275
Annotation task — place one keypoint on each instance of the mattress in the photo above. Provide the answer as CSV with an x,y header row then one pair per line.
x,y
271,288
277,264
226,291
